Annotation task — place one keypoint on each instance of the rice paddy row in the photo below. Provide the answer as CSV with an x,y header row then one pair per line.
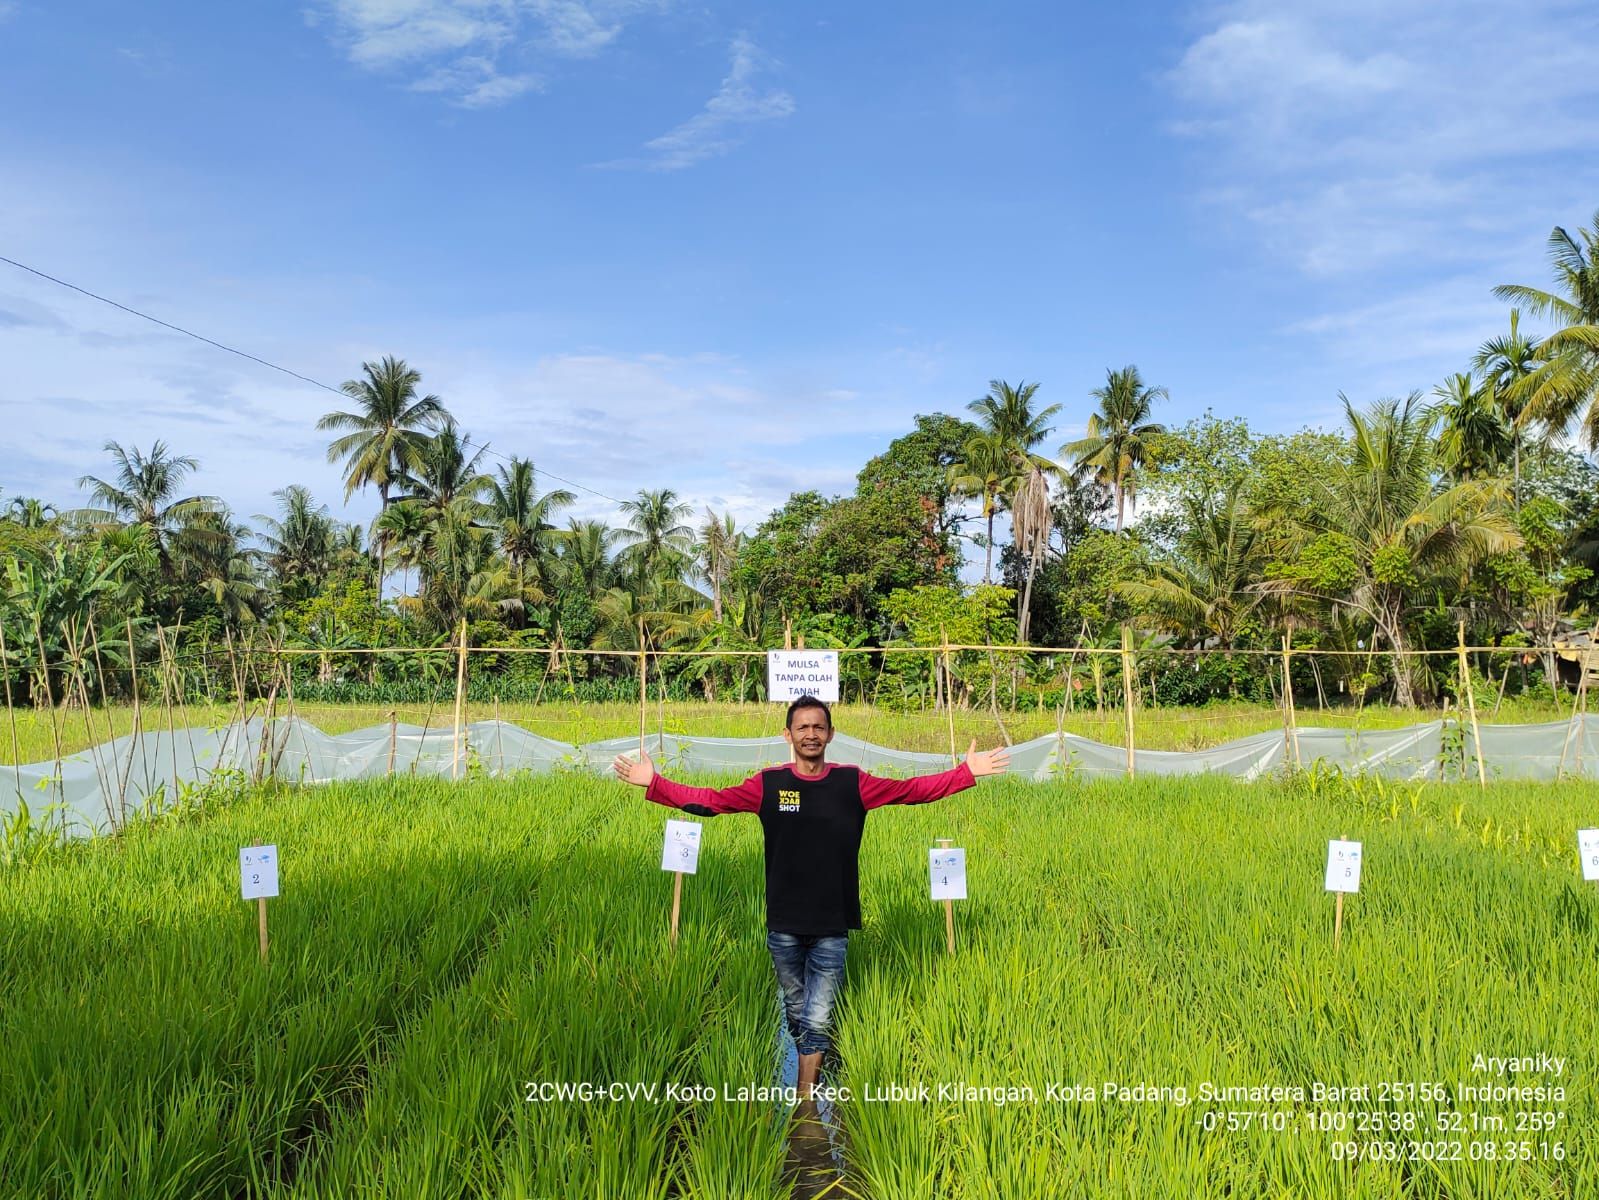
x,y
438,948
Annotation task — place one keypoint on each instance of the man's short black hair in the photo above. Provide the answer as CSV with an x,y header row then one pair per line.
x,y
800,702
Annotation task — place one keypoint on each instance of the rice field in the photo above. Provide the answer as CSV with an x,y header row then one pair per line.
x,y
440,952
36,732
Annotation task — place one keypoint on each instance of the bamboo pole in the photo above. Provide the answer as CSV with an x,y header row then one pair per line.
x,y
49,697
1290,720
1127,699
267,760
166,701
643,687
95,754
111,729
394,739
949,703
11,712
138,712
1471,708
460,700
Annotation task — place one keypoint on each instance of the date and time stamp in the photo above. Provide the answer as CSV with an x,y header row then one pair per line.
x,y
1501,1108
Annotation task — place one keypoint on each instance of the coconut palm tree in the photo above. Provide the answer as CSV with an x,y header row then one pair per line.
x,y
986,469
30,512
224,568
298,542
1502,363
656,543
1384,532
718,550
1475,439
521,517
401,531
1564,387
1120,435
1006,414
384,436
1207,588
583,558
143,493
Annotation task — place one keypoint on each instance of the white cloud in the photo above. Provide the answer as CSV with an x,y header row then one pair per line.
x,y
474,82
721,124
1357,135
467,42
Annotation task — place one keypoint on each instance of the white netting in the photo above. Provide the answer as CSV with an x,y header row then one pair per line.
x,y
98,788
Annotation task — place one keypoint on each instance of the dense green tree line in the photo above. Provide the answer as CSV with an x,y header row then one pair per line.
x,y
1474,504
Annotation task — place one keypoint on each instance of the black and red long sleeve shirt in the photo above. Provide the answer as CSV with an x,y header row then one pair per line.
x,y
813,826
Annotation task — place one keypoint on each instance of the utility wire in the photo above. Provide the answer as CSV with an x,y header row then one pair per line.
x,y
465,441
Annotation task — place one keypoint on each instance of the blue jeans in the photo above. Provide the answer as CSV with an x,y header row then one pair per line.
x,y
809,972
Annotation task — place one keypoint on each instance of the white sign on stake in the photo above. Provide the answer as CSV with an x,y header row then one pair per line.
x,y
258,872
682,850
1343,866
949,873
1588,851
791,674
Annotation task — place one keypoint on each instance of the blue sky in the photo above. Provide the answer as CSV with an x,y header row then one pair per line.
x,y
733,249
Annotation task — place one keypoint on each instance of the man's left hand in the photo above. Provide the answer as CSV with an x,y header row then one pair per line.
x,y
989,762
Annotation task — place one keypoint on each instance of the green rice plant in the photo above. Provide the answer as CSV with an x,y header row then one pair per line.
x,y
438,947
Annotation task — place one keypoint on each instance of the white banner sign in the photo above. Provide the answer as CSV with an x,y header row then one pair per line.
x,y
949,873
1343,866
682,850
791,674
258,872
1588,851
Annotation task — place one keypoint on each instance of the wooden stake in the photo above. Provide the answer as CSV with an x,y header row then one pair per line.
x,y
949,907
677,902
460,700
1471,707
1338,910
261,917
1127,699
394,739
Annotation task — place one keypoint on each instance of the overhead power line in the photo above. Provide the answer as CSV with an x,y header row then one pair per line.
x,y
326,387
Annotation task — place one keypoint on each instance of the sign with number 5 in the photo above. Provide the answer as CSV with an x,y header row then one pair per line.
x,y
1343,866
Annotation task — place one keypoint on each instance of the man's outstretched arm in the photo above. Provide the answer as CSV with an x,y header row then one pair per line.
x,y
701,802
876,791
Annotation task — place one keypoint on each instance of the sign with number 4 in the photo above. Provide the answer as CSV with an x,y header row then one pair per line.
x,y
258,872
949,873
1343,866
1588,851
682,850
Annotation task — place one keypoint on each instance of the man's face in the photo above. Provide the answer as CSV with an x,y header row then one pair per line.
x,y
810,732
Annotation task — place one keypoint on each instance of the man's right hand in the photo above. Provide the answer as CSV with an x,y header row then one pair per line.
x,y
636,770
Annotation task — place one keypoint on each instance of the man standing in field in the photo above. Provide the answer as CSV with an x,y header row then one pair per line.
x,y
812,814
